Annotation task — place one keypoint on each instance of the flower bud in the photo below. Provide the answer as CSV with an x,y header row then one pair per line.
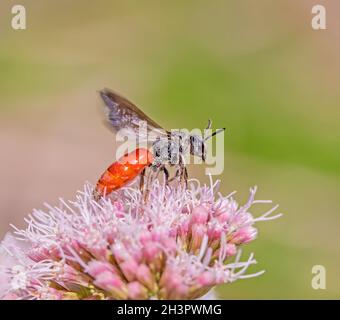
x,y
137,291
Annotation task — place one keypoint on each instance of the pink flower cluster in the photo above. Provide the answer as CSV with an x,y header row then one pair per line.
x,y
177,245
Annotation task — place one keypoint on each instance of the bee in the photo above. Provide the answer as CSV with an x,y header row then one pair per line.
x,y
168,148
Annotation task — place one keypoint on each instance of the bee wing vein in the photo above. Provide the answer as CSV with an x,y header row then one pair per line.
x,y
123,114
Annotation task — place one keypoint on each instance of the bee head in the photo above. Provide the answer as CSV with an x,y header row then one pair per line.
x,y
198,143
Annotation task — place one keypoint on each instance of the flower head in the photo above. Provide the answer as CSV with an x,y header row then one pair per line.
x,y
177,245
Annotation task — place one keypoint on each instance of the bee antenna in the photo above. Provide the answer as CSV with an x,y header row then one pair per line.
x,y
209,124
214,134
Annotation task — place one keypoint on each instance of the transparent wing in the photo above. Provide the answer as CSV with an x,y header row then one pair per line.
x,y
124,117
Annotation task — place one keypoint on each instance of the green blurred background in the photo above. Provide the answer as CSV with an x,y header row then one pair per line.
x,y
255,67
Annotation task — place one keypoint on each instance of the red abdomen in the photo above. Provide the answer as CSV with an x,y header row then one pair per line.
x,y
123,171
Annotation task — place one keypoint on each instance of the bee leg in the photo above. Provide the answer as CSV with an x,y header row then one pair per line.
x,y
175,176
146,190
142,180
149,179
147,187
157,172
186,177
166,175
182,176
183,172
